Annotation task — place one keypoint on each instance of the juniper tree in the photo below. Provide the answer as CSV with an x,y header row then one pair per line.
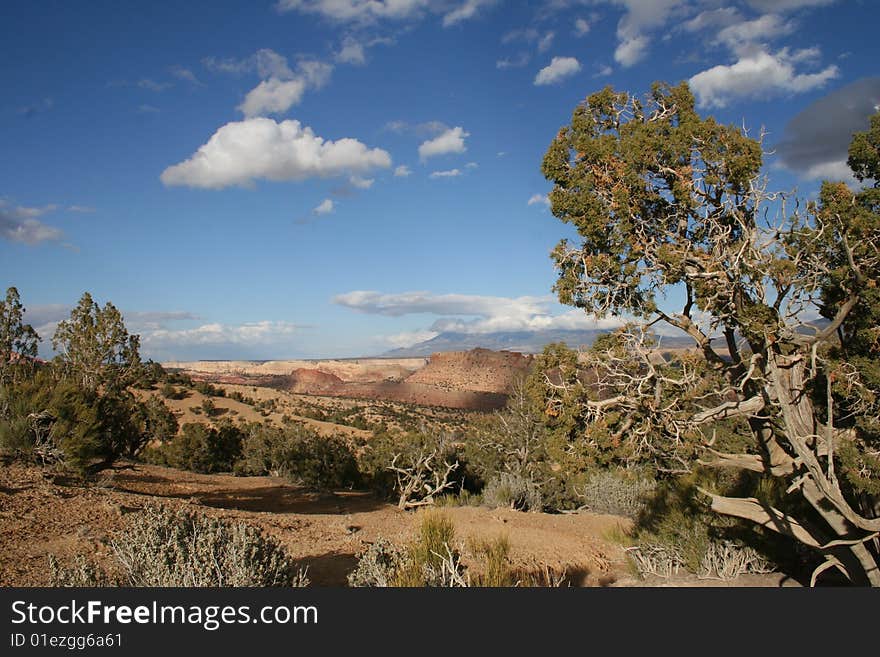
x,y
672,206
95,347
18,341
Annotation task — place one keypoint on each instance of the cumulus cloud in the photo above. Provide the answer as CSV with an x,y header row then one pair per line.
x,y
20,224
450,173
558,69
766,27
361,183
581,27
450,141
815,142
272,96
260,148
325,207
712,19
758,73
402,171
639,19
464,313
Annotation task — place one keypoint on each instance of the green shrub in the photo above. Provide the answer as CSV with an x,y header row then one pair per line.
x,y
493,557
299,454
200,448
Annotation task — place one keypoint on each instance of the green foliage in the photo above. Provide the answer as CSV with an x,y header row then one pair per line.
x,y
170,391
201,448
617,491
95,348
18,341
299,454
423,564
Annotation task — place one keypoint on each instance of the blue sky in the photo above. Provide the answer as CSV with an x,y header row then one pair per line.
x,y
320,178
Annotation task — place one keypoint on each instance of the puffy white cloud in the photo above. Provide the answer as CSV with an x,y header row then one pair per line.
x,y
631,51
581,27
768,26
272,96
450,141
20,224
402,171
450,173
244,151
712,18
325,207
488,314
558,69
539,199
758,73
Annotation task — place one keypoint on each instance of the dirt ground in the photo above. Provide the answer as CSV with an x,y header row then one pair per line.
x,y
42,515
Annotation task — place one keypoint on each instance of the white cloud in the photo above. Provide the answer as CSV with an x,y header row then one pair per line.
x,y
471,165
184,74
537,199
581,27
631,51
84,209
546,41
558,69
366,12
265,332
640,18
517,62
468,9
408,338
361,183
20,224
758,73
325,207
402,171
787,5
352,52
451,173
602,71
450,141
488,314
244,151
712,18
769,26
272,96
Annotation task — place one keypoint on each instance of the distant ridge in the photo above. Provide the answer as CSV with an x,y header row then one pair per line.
x,y
525,342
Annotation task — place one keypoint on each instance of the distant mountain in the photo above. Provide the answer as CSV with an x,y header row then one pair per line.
x,y
526,342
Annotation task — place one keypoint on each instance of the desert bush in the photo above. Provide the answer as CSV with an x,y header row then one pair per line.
x,y
514,491
299,454
82,573
161,547
617,491
431,560
378,565
200,448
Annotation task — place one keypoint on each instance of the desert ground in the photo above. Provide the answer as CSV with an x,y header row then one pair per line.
x,y
44,514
